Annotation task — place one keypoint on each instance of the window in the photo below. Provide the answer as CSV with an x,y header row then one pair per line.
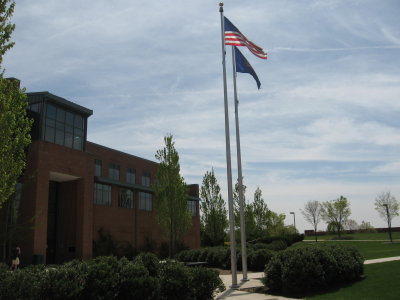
x,y
102,194
131,175
125,198
113,172
146,179
192,206
145,201
63,127
97,167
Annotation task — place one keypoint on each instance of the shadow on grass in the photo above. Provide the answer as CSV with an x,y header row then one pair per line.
x,y
331,289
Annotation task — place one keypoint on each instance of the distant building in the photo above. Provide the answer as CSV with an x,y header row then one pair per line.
x,y
72,188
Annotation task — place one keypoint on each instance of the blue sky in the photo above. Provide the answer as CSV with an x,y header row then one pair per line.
x,y
325,122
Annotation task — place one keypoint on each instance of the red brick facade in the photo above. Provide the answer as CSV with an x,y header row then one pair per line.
x,y
58,206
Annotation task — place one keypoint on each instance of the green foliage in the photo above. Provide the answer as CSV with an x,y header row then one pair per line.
x,y
110,278
174,281
14,136
257,259
214,219
336,213
6,28
149,261
171,195
308,269
205,282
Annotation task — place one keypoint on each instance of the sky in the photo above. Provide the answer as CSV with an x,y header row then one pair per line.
x,y
325,122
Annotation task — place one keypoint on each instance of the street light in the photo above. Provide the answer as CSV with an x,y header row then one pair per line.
x,y
388,220
294,219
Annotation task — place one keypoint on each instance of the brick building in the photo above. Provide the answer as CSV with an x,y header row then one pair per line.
x,y
73,188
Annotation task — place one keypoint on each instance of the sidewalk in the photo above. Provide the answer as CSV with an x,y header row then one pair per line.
x,y
255,281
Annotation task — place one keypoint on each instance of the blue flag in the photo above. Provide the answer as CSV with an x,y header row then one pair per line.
x,y
243,66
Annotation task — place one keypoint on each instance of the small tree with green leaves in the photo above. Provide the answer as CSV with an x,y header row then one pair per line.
x,y
312,213
171,196
261,213
214,219
387,207
336,212
14,123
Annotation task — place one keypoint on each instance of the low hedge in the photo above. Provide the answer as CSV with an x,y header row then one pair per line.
x,y
111,278
313,268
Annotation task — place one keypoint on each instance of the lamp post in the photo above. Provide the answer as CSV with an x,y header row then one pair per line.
x,y
388,220
294,219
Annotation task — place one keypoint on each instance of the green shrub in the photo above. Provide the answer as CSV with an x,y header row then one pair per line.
x,y
102,278
23,283
135,281
150,261
205,282
313,268
277,245
63,282
174,281
257,259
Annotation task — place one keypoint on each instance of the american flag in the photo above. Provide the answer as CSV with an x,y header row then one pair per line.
x,y
233,37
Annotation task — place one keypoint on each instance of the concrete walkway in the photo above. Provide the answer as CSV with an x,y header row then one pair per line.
x,y
255,281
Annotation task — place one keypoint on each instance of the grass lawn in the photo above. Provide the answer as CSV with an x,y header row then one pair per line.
x,y
370,250
381,282
358,236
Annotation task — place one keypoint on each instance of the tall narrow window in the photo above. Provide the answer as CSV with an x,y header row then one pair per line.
x,y
146,179
97,167
102,194
113,172
192,206
130,175
125,198
145,201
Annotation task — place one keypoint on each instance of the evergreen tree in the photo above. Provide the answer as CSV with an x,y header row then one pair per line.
x,y
214,219
171,196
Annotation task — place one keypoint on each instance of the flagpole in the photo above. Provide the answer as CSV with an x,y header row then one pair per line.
x,y
228,158
240,177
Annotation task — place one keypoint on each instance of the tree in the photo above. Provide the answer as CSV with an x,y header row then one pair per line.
x,y
171,196
214,219
248,213
261,213
351,225
14,123
6,28
312,213
388,208
336,213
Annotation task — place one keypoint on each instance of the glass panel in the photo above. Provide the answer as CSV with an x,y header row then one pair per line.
x,y
69,118
60,115
78,142
59,137
78,122
50,122
68,140
49,135
51,111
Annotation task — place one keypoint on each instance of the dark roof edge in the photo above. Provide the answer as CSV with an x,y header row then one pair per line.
x,y
64,102
125,153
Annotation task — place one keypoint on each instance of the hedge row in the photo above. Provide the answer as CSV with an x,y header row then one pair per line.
x,y
258,255
111,278
313,268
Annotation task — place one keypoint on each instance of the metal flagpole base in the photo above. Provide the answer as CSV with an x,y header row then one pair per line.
x,y
234,286
245,279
